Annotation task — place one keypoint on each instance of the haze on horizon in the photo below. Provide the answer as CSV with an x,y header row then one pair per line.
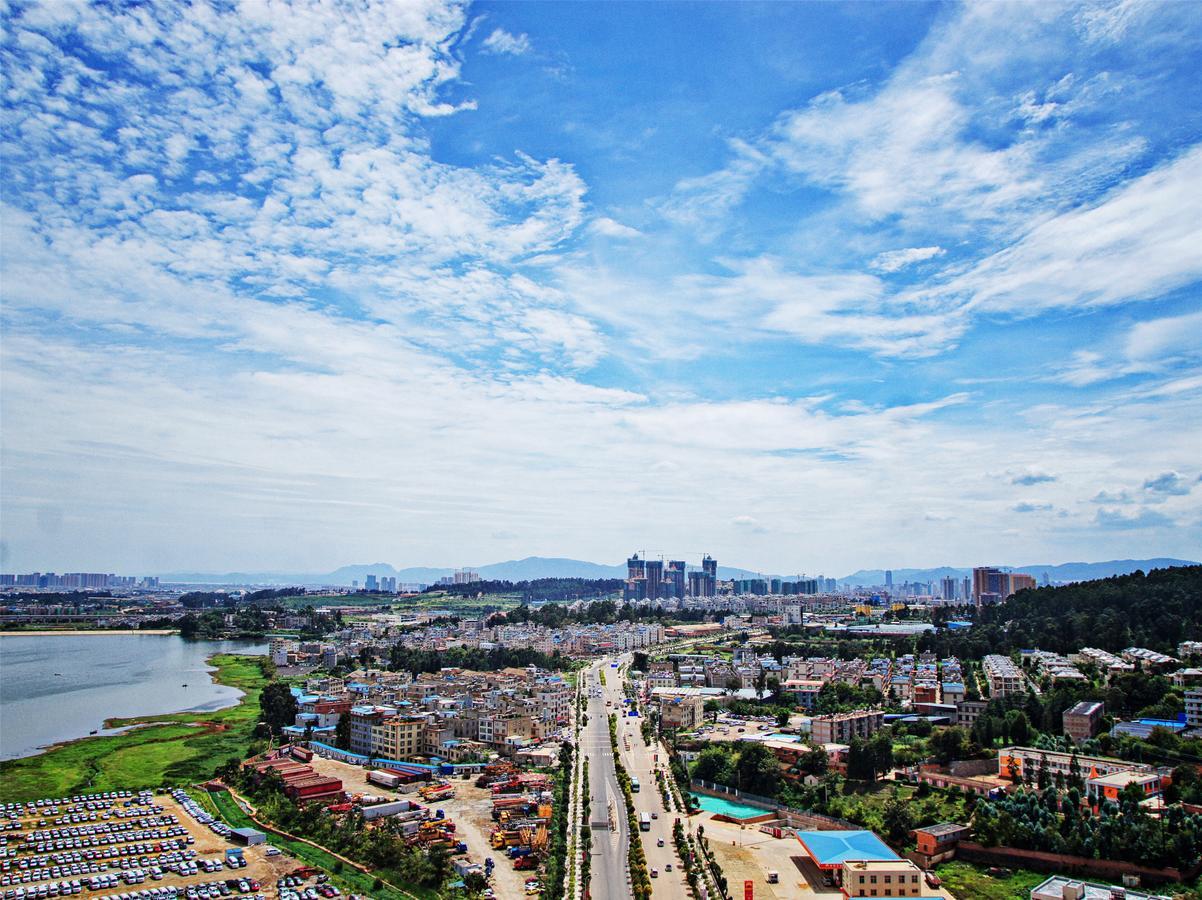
x,y
797,285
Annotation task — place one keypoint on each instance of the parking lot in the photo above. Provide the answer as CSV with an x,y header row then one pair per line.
x,y
122,845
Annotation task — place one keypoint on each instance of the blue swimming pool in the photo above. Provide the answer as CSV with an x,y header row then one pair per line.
x,y
730,808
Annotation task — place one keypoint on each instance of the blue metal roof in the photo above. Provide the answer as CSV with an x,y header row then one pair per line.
x,y
833,848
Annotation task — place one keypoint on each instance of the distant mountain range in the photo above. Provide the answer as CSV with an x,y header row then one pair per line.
x,y
1058,573
555,567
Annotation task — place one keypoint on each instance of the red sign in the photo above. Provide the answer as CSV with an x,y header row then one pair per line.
x,y
748,890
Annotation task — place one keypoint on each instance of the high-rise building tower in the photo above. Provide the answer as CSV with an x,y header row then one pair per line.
x,y
635,567
709,568
655,577
676,578
636,579
889,578
948,586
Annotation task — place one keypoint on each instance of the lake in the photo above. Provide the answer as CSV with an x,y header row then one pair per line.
x,y
57,688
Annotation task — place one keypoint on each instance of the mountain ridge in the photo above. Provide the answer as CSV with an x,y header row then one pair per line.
x,y
531,567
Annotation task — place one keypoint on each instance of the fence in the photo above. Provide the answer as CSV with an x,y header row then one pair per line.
x,y
1042,861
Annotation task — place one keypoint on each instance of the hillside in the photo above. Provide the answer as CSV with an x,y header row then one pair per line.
x,y
1157,610
1059,573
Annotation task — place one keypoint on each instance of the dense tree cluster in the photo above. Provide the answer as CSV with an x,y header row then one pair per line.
x,y
1045,820
537,589
410,659
277,706
1156,610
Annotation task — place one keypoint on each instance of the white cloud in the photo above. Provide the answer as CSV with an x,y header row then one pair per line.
x,y
607,227
893,260
1169,337
501,42
748,523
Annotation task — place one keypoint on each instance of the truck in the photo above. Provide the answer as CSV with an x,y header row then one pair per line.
x,y
644,821
384,779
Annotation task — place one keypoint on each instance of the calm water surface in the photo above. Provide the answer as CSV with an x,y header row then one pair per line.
x,y
56,688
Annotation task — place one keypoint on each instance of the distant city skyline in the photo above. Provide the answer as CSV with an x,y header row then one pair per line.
x,y
450,282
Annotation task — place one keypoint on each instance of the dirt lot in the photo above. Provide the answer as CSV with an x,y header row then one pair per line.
x,y
471,810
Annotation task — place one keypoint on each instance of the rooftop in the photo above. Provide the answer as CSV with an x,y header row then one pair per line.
x,y
833,848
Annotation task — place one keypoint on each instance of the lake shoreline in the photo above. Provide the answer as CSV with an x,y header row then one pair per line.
x,y
159,750
72,632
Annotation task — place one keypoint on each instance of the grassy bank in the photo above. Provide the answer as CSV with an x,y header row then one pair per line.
x,y
347,877
167,750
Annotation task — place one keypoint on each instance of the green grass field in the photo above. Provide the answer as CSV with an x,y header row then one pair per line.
x,y
349,879
168,750
971,883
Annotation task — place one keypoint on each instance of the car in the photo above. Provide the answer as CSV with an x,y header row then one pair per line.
x,y
273,851
667,867
655,815
660,842
933,880
655,873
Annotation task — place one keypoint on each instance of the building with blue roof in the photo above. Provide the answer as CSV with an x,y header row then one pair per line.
x,y
829,850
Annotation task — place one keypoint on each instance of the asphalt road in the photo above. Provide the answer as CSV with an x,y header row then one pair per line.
x,y
609,879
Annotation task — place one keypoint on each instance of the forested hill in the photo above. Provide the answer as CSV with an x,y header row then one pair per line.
x,y
1158,610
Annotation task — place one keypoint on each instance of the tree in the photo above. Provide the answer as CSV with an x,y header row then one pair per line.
x,y
278,706
1018,727
757,770
897,818
714,764
881,747
342,732
814,762
948,744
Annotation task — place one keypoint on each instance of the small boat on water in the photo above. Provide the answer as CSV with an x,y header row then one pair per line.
x,y
92,732
185,684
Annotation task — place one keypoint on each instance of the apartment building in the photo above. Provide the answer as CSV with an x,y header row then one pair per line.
x,y
684,713
841,728
1193,708
1082,721
1004,677
363,720
398,737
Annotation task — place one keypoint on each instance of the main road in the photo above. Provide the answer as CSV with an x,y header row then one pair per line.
x,y
608,876
611,838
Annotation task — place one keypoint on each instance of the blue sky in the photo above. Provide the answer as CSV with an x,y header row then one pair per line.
x,y
805,286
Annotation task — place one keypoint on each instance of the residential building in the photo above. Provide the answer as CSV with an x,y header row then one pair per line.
x,y
841,728
398,737
684,713
1082,721
1003,675
1193,708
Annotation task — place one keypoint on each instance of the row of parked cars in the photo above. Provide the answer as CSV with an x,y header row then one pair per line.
x,y
49,806
200,814
292,887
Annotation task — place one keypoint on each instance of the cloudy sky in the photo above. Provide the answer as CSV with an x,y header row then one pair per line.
x,y
807,287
